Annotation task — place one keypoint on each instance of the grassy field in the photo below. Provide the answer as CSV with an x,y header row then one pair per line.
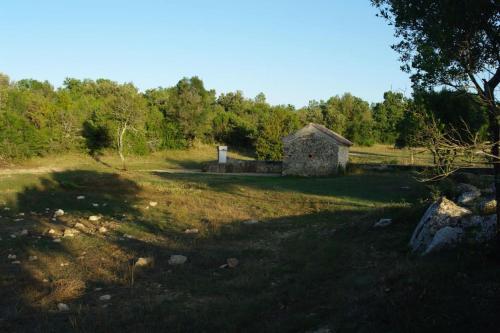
x,y
387,154
195,157
312,261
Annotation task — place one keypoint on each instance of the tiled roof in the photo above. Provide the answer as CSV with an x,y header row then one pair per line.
x,y
337,137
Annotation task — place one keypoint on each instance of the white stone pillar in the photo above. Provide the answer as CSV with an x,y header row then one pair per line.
x,y
222,154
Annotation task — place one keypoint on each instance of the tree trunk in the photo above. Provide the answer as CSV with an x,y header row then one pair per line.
x,y
120,145
494,118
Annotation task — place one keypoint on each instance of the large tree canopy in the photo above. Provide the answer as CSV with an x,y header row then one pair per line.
x,y
448,42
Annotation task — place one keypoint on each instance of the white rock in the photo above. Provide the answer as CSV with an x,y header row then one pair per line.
x,y
80,226
177,259
17,262
103,230
69,233
468,197
58,213
153,203
24,232
62,307
80,197
33,258
105,297
56,240
94,218
95,204
12,236
446,237
11,256
488,206
191,231
52,231
6,208
440,214
383,223
141,262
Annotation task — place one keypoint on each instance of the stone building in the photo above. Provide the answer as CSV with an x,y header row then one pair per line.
x,y
314,151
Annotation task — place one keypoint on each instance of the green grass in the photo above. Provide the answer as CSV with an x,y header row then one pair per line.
x,y
314,260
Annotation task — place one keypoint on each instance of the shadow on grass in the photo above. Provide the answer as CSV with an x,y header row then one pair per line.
x,y
376,187
296,273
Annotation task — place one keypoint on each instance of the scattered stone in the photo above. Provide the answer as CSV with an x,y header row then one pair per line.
x,y
80,197
32,258
11,256
128,236
79,226
97,289
16,262
12,236
103,230
23,232
440,214
21,214
6,209
142,262
232,262
56,240
488,206
383,223
69,233
62,307
467,197
191,231
64,264
58,213
105,297
51,231
177,259
94,218
446,237
468,193
153,203
250,222
95,204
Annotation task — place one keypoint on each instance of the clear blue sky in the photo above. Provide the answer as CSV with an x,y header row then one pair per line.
x,y
293,51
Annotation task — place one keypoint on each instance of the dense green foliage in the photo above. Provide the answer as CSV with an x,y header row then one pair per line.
x,y
88,115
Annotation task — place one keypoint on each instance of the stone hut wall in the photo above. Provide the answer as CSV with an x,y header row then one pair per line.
x,y
313,154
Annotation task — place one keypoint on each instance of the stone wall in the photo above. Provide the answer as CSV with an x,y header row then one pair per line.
x,y
244,166
313,155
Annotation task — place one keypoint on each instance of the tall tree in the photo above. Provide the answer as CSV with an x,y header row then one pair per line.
x,y
127,112
454,43
387,115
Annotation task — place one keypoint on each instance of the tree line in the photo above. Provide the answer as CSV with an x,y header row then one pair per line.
x,y
94,115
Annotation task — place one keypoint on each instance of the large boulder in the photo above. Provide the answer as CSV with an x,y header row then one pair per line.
x,y
445,238
446,224
442,213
